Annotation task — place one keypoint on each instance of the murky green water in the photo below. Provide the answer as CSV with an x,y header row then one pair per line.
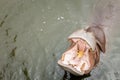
x,y
33,35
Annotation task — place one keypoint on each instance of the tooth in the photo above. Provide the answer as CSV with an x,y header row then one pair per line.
x,y
63,56
82,67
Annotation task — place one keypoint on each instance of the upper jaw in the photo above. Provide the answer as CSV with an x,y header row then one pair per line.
x,y
86,36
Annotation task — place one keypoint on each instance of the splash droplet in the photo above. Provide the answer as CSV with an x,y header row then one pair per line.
x,y
44,22
41,29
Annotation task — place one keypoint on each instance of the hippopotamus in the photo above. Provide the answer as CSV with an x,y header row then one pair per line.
x,y
84,52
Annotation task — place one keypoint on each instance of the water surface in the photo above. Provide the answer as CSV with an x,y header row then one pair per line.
x,y
33,35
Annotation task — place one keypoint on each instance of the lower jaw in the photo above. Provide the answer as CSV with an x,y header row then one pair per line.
x,y
81,66
70,69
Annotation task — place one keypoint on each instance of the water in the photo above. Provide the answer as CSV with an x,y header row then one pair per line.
x,y
33,35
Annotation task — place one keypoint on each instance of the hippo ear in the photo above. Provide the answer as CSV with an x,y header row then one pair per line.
x,y
99,35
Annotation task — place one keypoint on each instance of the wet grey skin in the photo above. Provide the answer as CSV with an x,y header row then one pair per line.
x,y
99,35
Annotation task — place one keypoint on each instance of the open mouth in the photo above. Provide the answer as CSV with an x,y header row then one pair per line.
x,y
80,58
77,57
